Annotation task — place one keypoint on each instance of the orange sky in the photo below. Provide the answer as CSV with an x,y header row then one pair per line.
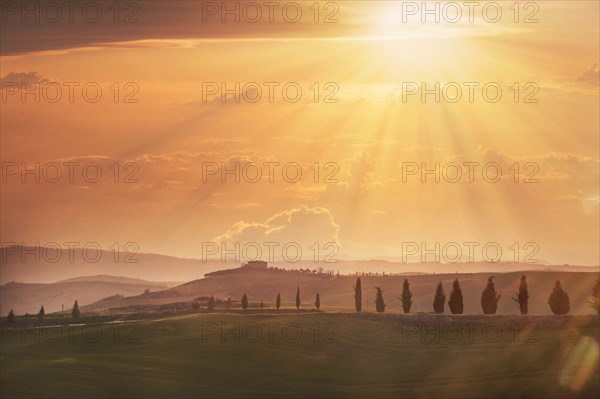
x,y
372,130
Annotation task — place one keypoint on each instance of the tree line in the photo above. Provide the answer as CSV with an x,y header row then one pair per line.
x,y
40,315
558,300
210,304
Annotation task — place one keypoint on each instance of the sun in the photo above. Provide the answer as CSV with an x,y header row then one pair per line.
x,y
413,47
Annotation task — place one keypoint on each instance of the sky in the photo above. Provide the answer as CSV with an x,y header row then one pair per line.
x,y
173,126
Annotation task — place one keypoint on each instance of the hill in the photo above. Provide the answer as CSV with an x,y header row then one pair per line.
x,y
52,265
118,279
27,297
337,291
49,265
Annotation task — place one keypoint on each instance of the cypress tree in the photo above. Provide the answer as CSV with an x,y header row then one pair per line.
x,y
41,313
298,298
245,302
489,298
559,300
75,312
456,299
211,303
406,297
379,303
318,302
522,296
278,302
228,303
261,305
11,317
439,299
358,295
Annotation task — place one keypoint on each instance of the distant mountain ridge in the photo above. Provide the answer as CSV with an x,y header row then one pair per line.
x,y
117,279
161,268
146,266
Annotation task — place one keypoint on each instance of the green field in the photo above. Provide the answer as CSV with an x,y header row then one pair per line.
x,y
338,355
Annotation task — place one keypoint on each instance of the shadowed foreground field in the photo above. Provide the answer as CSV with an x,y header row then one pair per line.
x,y
337,355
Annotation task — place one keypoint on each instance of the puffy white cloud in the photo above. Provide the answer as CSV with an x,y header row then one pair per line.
x,y
303,226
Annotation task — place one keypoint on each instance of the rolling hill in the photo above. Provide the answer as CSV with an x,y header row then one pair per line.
x,y
337,291
28,297
55,265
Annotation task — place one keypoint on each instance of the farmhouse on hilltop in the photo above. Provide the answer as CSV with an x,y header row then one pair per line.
x,y
251,266
259,265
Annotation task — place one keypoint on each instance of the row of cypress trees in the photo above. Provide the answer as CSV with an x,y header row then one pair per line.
x,y
558,301
317,302
40,315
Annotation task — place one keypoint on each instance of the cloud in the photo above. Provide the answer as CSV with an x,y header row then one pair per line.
x,y
29,79
591,75
303,225
151,24
159,24
589,79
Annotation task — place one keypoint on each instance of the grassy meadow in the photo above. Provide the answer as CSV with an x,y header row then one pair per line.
x,y
319,355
